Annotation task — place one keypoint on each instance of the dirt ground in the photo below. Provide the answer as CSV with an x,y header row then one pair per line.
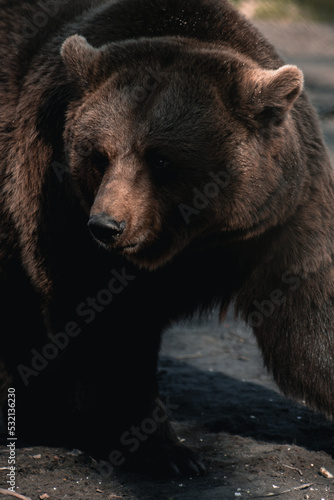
x,y
255,443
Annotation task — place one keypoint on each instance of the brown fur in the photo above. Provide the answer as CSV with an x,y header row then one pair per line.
x,y
181,128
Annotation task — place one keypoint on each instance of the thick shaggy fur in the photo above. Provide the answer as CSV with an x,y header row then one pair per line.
x,y
179,123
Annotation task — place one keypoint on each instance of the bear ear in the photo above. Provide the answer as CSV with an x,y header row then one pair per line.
x,y
270,94
79,57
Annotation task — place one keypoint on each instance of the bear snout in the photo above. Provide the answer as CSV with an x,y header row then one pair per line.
x,y
104,228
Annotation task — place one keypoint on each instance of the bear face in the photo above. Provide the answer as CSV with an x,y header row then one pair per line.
x,y
135,135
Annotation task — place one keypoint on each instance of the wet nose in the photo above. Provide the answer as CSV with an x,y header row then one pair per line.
x,y
104,228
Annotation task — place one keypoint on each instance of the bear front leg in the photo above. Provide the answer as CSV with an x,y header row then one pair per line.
x,y
141,436
136,431
122,376
112,387
294,326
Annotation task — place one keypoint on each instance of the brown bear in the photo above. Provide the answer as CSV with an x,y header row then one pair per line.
x,y
157,158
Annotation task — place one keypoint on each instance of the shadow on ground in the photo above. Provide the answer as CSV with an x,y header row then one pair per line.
x,y
218,403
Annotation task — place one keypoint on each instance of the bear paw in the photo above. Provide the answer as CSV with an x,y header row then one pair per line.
x,y
166,460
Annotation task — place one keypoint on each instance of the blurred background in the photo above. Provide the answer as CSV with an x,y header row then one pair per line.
x,y
303,33
289,10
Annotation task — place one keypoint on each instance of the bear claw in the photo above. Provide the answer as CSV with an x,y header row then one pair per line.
x,y
167,461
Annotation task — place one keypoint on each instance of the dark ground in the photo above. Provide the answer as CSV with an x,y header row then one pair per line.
x,y
256,444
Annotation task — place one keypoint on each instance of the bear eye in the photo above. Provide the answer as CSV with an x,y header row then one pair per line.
x,y
157,161
161,163
99,160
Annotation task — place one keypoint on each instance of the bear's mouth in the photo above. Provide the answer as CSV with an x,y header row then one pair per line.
x,y
130,247
112,247
125,248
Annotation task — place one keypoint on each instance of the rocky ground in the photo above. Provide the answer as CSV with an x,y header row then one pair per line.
x,y
256,444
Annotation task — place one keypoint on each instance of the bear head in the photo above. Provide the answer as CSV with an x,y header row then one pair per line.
x,y
173,142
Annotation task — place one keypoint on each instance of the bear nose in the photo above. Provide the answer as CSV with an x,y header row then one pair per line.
x,y
104,228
